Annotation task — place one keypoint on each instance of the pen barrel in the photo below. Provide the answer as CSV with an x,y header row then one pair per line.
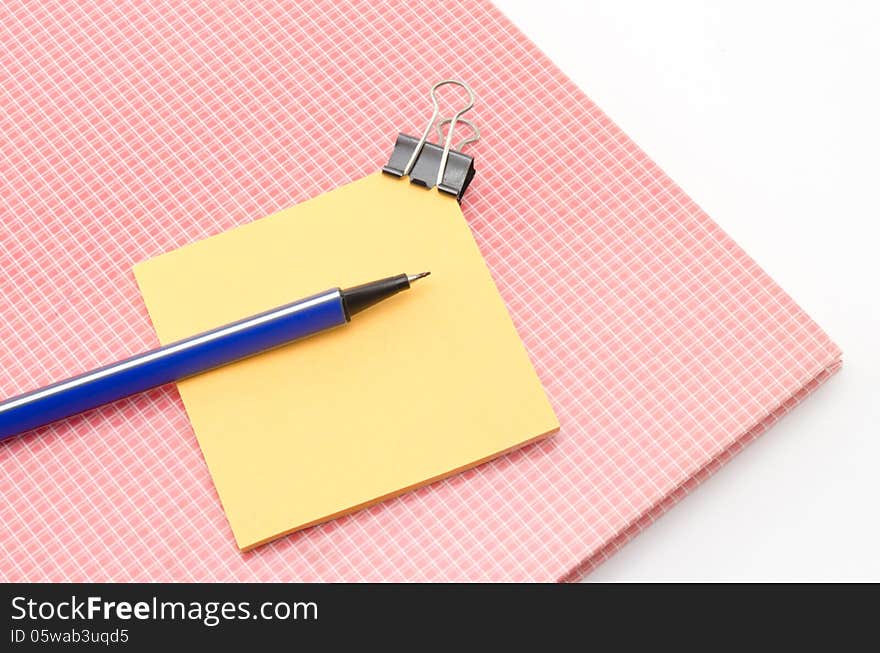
x,y
173,362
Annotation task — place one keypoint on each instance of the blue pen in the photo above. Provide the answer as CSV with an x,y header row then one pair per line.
x,y
199,353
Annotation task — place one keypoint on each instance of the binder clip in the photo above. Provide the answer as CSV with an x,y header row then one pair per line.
x,y
430,164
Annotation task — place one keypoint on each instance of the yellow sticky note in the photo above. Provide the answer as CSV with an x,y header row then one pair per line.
x,y
428,383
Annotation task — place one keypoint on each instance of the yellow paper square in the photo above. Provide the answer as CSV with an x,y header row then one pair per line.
x,y
430,382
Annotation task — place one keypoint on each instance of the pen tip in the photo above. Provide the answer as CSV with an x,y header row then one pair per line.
x,y
415,277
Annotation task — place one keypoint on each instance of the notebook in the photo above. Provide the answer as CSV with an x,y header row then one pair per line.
x,y
416,389
129,131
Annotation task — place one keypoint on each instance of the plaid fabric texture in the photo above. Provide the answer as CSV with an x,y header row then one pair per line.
x,y
130,128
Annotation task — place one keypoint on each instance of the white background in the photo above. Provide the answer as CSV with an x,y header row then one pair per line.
x,y
767,114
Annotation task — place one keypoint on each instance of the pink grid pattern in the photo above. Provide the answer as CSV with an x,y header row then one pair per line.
x,y
129,129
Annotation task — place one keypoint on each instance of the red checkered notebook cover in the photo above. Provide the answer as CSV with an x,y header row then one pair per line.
x,y
129,129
